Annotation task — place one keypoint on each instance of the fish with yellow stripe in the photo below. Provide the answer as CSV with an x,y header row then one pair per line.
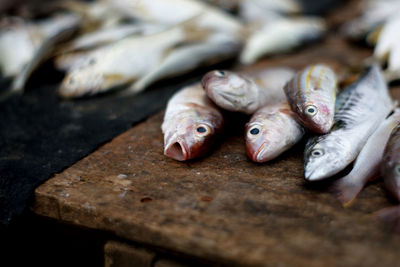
x,y
311,95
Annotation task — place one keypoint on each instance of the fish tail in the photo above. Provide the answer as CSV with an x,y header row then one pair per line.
x,y
346,189
391,217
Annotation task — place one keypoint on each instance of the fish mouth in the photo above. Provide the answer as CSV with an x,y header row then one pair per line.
x,y
316,174
177,150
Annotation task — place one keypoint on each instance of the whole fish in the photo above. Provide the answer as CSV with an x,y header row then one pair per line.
x,y
271,131
360,108
367,164
280,36
246,93
388,48
185,58
390,168
312,94
191,124
127,60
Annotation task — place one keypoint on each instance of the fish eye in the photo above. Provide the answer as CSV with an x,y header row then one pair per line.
x,y
397,169
92,61
310,110
317,153
254,131
71,81
220,73
203,129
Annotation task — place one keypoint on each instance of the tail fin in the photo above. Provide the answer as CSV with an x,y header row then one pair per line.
x,y
391,217
347,189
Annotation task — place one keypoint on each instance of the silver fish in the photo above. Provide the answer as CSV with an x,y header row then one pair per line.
x,y
246,93
185,58
367,164
311,94
271,131
280,36
360,108
390,168
191,124
125,61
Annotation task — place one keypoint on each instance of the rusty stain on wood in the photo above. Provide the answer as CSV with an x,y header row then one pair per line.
x,y
223,207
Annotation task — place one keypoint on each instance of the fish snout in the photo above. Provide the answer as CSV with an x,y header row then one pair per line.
x,y
177,150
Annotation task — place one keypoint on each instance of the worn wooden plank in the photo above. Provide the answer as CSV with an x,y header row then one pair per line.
x,y
224,208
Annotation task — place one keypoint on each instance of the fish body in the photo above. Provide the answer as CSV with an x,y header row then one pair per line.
x,y
368,162
312,94
191,124
280,36
246,93
186,58
271,131
390,168
55,30
360,108
262,11
125,61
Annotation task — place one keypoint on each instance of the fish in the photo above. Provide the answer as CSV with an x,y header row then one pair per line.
x,y
281,36
182,59
366,166
387,49
311,95
243,93
108,35
191,124
58,29
271,131
127,60
359,110
173,12
18,42
374,13
390,167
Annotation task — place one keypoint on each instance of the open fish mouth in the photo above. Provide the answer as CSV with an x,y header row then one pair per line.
x,y
177,150
316,174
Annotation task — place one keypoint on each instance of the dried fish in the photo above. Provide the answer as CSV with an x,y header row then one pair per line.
x,y
360,108
191,124
271,131
246,93
311,94
367,164
281,36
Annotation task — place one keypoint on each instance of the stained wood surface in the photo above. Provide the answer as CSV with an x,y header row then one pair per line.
x,y
223,207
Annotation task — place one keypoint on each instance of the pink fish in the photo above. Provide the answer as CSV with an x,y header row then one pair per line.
x,y
191,124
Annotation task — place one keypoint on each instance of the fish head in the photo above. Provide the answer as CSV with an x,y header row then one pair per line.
x,y
391,174
262,144
230,91
325,156
190,138
81,82
316,115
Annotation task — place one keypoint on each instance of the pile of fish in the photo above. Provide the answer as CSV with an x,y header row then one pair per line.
x,y
113,44
286,106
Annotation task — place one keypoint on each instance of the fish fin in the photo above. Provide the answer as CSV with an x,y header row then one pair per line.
x,y
373,37
346,189
391,217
